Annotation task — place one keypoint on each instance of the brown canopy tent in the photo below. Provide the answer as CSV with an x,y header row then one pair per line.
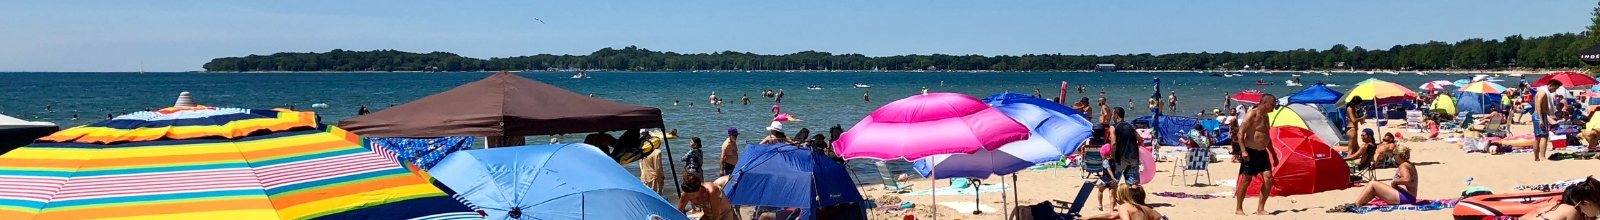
x,y
503,104
506,105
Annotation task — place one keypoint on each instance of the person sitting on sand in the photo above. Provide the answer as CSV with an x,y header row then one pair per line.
x,y
1400,191
1580,201
1591,129
1132,207
708,196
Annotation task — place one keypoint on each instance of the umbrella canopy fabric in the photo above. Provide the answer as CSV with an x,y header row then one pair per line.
x,y
503,104
1055,130
929,124
782,175
564,181
1379,91
1248,96
1483,87
1302,165
213,163
1476,103
16,133
1316,94
1307,117
1590,55
1462,82
1444,104
1567,78
1435,85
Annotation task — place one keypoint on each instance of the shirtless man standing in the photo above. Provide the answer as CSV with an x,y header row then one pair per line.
x,y
745,99
713,98
1257,156
1541,118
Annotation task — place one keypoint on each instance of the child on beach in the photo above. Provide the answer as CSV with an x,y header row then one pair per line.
x,y
1256,157
694,159
1402,190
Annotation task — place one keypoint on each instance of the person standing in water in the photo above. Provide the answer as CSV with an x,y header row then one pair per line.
x,y
730,152
363,110
1172,102
47,108
713,98
779,97
866,96
1037,94
745,99
1542,114
1257,156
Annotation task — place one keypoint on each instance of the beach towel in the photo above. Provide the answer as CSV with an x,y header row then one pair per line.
x,y
423,152
1420,205
967,207
1182,195
1558,185
988,188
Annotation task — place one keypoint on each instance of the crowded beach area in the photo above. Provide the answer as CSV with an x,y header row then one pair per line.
x,y
1461,147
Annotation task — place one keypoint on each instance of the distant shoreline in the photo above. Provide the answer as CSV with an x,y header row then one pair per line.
x,y
1374,72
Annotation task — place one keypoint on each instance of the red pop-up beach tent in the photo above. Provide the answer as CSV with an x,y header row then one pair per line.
x,y
1303,165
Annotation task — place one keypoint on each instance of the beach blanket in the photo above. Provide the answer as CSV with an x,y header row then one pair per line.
x,y
967,207
1182,195
423,152
1558,185
1420,205
998,187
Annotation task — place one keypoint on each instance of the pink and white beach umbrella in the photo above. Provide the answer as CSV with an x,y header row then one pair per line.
x,y
1435,85
927,125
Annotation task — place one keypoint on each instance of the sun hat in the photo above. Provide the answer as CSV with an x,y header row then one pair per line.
x,y
776,126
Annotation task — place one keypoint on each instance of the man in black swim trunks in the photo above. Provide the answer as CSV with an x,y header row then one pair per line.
x,y
1257,156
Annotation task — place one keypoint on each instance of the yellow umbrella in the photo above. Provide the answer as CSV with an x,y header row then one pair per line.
x,y
1379,91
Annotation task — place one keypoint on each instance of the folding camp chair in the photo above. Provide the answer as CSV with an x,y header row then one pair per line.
x,y
1495,128
1414,121
1198,159
1092,162
1046,210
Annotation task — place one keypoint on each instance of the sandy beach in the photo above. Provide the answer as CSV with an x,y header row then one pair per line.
x,y
1442,170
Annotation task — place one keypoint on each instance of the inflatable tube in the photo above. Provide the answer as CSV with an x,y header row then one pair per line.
x,y
1149,161
644,150
1511,204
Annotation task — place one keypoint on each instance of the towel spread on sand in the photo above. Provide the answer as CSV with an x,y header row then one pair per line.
x,y
967,207
1420,205
1558,185
1182,195
998,187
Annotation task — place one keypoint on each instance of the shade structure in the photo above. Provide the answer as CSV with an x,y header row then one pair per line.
x,y
1590,55
1307,117
929,124
15,132
782,175
1482,87
503,104
1435,85
1303,165
1379,91
1248,96
1567,78
213,163
564,181
1316,94
1444,104
1476,103
1055,130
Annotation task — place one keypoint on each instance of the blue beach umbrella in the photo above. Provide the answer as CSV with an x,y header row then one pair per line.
x,y
1055,130
1316,94
564,181
782,175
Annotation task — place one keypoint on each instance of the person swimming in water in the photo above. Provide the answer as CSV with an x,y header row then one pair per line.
x,y
745,98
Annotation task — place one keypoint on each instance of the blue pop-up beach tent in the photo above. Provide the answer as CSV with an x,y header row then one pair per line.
x,y
782,175
1316,94
565,181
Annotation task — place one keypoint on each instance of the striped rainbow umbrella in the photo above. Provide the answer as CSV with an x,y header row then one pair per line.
x,y
213,163
1379,91
1483,87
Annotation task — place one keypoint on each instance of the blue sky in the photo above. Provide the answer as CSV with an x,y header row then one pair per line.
x,y
182,35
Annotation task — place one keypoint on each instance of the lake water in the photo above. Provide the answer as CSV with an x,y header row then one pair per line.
x,y
91,96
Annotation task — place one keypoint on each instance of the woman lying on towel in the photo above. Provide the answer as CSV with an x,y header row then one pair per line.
x,y
1402,190
1132,206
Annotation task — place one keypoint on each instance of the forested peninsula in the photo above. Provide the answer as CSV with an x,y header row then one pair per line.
x,y
1553,51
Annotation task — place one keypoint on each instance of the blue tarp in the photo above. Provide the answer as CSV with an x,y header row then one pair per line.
x,y
423,152
1316,94
1172,128
565,181
782,175
1220,134
1476,103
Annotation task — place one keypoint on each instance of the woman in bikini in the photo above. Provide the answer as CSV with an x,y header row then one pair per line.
x,y
1402,190
1581,201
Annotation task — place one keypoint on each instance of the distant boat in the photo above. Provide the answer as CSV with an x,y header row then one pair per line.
x,y
580,75
1218,75
1291,83
813,87
862,86
1262,83
1421,73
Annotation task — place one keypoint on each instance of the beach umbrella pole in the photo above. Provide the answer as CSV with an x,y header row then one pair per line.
x,y
666,145
932,183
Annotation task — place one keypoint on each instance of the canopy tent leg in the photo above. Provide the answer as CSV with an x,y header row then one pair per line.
x,y
932,187
667,145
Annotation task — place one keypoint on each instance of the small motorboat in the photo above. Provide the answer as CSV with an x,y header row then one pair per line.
x,y
1218,75
1262,83
319,105
1291,83
813,87
862,86
580,75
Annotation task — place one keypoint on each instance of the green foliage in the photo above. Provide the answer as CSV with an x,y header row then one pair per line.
x,y
1554,51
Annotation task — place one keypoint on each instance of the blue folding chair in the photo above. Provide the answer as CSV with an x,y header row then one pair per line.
x,y
1092,162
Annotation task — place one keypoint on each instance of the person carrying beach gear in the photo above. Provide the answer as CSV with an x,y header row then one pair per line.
x,y
1258,153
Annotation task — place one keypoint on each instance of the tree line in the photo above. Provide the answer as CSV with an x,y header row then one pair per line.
x,y
1553,51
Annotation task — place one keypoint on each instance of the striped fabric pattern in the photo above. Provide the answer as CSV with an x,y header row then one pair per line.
x,y
295,171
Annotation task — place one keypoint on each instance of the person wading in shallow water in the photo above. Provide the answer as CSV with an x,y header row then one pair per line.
x,y
1257,156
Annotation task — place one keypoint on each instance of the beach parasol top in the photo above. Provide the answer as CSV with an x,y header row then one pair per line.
x,y
926,125
185,100
1567,78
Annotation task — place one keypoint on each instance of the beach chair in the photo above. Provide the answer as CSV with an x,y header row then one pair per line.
x,y
1494,128
1074,209
1198,159
1092,162
889,179
1414,121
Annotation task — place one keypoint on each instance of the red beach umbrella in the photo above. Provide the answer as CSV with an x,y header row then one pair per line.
x,y
1248,96
1567,78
